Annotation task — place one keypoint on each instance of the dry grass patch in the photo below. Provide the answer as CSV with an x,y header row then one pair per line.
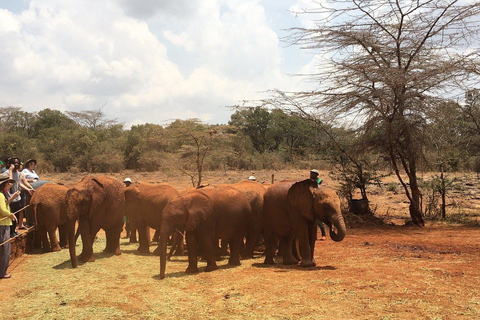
x,y
376,273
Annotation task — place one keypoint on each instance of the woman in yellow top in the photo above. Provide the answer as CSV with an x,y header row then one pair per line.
x,y
6,218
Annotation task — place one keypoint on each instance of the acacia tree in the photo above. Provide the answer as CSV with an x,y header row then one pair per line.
x,y
92,119
195,141
384,63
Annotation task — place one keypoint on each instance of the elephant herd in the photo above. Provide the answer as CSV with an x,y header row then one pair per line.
x,y
240,214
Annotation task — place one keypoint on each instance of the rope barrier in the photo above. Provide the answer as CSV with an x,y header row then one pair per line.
x,y
18,235
16,212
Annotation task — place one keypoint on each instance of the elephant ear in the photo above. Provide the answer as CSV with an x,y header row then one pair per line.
x,y
97,182
300,197
197,213
96,196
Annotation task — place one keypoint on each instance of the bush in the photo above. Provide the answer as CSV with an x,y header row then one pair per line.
x,y
393,187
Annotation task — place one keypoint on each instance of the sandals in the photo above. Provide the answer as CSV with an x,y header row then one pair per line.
x,y
6,276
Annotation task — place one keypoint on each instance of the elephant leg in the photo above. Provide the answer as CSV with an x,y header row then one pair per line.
x,y
143,237
236,246
113,238
191,239
288,258
62,232
216,250
312,226
207,239
156,236
178,242
133,232
209,256
296,249
251,240
126,227
224,247
269,246
87,241
303,234
177,245
44,239
53,240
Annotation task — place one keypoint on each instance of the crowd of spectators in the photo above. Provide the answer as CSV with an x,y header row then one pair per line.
x,y
17,185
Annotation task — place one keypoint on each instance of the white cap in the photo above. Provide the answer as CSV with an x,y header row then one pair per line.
x,y
127,180
252,178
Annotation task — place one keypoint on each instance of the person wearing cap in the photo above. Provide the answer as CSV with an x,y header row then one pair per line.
x,y
30,181
6,219
127,182
29,171
315,176
252,178
16,203
31,176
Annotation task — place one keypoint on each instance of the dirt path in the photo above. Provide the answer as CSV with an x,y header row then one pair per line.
x,y
388,272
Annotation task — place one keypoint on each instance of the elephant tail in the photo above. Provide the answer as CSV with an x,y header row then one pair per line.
x,y
35,210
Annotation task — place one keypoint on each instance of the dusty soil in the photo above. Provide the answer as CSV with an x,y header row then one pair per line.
x,y
380,271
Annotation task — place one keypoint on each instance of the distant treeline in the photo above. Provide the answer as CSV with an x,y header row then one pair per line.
x,y
254,138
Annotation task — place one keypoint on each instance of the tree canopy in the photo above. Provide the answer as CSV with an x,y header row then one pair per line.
x,y
384,65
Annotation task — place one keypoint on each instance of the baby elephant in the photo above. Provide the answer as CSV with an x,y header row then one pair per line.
x,y
49,211
206,214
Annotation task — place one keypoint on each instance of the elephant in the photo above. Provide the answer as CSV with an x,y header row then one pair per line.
x,y
97,203
144,204
206,214
291,209
254,192
50,211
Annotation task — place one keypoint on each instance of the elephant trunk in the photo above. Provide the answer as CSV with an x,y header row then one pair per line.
x,y
163,253
341,230
72,241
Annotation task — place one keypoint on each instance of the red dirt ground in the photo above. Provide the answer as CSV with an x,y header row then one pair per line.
x,y
378,272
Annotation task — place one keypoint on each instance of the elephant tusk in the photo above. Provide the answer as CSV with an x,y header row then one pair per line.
x,y
183,235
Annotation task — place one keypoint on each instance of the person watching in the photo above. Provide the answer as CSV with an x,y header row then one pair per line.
x,y
31,175
6,219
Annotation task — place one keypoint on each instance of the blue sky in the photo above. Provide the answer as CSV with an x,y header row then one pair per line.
x,y
149,61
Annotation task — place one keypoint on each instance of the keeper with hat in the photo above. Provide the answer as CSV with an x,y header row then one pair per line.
x,y
315,176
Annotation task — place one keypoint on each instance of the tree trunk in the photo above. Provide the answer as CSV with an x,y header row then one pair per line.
x,y
443,191
414,208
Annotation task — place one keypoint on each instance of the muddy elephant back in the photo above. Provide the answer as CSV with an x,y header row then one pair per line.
x,y
275,208
48,204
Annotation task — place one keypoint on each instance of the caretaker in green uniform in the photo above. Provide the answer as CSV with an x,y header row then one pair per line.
x,y
314,175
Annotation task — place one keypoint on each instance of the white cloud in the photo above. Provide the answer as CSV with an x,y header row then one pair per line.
x,y
82,55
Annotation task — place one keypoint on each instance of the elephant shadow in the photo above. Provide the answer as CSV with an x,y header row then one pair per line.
x,y
137,253
296,267
98,256
181,274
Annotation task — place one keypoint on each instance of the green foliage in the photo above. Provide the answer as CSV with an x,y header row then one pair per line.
x,y
255,122
255,139
433,189
13,144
